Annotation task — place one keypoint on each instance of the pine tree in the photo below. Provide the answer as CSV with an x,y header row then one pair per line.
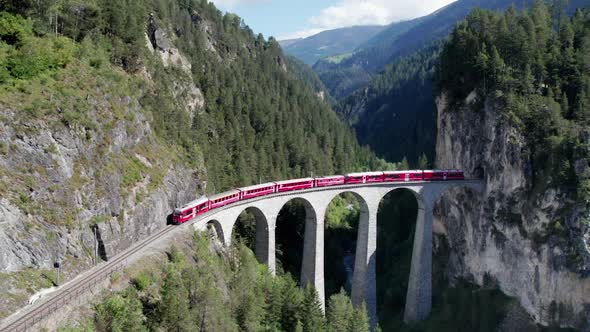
x,y
292,300
564,105
312,314
359,321
174,306
404,164
423,161
340,312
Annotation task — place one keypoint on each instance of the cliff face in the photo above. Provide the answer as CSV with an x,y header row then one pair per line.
x,y
78,154
530,244
58,182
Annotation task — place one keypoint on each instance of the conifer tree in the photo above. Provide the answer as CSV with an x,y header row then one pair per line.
x,y
312,314
340,312
174,306
423,162
360,320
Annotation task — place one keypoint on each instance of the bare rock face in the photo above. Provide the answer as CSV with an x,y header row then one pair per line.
x,y
57,183
531,244
188,95
160,42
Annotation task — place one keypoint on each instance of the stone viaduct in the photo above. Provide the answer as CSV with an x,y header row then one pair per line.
x,y
316,200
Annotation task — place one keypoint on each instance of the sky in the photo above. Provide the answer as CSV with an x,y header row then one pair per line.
x,y
286,19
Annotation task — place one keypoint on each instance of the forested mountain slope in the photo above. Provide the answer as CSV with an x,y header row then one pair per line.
x,y
114,112
401,39
513,94
395,114
330,42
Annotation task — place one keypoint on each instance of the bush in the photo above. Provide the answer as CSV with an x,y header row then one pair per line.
x,y
14,30
142,281
39,55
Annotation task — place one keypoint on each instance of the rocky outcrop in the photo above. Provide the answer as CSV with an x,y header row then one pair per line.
x,y
160,42
57,182
529,244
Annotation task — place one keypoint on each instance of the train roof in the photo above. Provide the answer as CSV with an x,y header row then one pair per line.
x,y
257,186
365,173
223,194
329,177
193,203
293,180
402,172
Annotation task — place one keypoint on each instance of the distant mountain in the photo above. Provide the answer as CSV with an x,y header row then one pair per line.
x,y
287,42
330,42
342,74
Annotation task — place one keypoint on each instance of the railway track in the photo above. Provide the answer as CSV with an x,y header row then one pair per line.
x,y
79,286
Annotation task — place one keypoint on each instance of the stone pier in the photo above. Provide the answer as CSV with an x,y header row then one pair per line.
x,y
419,294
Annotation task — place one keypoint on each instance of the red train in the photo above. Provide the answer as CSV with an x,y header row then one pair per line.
x,y
204,204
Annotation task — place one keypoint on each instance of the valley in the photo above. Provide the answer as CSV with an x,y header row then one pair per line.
x,y
114,115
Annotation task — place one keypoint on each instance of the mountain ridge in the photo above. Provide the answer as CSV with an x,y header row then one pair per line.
x,y
356,70
329,42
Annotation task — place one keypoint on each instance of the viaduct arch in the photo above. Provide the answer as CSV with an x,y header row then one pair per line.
x,y
316,201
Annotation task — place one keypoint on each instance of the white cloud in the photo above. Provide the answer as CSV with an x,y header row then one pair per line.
x,y
364,12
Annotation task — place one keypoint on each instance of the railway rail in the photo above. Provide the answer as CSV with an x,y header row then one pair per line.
x,y
72,290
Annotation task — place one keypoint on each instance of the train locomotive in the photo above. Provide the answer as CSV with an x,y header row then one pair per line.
x,y
204,204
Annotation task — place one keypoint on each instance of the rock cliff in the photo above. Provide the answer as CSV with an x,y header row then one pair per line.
x,y
529,244
78,158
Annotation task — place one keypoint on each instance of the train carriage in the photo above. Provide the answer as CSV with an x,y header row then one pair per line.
x,y
224,198
190,210
295,184
443,174
326,181
366,177
402,176
257,190
455,174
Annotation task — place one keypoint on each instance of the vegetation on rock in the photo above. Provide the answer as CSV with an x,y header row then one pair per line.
x,y
535,67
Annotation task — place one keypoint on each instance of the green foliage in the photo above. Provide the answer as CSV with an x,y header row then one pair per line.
x,y
423,162
230,292
342,212
536,71
359,320
264,123
312,314
342,317
120,313
14,29
395,115
23,56
176,256
142,281
86,326
173,309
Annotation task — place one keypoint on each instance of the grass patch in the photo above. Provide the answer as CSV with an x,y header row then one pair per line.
x,y
336,59
22,284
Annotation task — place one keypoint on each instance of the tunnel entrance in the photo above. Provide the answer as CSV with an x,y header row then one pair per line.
x,y
101,253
